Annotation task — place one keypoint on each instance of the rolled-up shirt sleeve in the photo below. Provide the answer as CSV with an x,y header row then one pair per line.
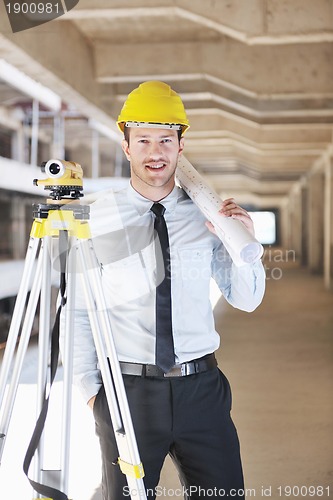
x,y
244,286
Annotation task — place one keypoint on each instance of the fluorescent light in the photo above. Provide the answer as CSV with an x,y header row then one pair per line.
x,y
22,82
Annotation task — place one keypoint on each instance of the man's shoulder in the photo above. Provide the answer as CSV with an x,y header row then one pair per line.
x,y
187,205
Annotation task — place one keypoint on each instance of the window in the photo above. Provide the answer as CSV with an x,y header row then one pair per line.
x,y
265,226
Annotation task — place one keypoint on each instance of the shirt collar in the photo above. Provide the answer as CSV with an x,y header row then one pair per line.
x,y
143,205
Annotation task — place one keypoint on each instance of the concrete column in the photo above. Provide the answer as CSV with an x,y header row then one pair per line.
x,y
95,160
316,222
18,145
34,132
304,232
18,228
58,145
295,224
287,219
328,225
118,169
284,225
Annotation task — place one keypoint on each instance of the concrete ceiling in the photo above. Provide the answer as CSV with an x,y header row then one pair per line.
x,y
256,77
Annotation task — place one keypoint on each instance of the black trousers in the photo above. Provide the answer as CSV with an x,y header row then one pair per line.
x,y
187,418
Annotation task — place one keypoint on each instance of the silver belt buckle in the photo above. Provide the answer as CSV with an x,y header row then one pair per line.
x,y
185,369
177,371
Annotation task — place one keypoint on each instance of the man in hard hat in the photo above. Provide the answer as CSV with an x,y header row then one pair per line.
x,y
180,401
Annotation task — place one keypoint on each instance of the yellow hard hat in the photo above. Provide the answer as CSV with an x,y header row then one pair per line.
x,y
153,102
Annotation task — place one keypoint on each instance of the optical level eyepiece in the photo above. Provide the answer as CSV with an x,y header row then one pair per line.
x,y
55,168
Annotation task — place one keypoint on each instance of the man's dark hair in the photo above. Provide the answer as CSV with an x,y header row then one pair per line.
x,y
127,129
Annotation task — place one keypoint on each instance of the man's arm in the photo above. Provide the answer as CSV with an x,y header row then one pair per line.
x,y
243,287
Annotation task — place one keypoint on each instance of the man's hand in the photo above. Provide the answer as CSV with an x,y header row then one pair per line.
x,y
91,402
230,209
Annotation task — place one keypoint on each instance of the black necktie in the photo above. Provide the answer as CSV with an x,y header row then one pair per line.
x,y
165,357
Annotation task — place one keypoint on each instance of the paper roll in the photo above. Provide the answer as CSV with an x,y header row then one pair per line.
x,y
242,247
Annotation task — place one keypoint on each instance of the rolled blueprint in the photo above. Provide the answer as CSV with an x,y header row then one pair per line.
x,y
242,247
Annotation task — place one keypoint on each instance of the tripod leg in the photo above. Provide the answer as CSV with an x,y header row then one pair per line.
x,y
129,459
43,344
68,364
67,259
18,313
49,489
22,347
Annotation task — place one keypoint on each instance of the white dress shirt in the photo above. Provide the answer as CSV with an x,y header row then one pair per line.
x,y
123,236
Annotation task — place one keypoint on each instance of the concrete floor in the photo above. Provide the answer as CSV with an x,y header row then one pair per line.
x,y
280,365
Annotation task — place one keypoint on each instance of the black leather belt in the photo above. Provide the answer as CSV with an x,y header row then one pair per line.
x,y
182,370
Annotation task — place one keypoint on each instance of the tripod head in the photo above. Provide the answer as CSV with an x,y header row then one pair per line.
x,y
64,179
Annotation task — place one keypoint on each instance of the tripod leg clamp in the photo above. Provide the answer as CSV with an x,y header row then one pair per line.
x,y
135,471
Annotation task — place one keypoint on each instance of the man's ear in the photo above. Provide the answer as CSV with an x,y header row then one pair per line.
x,y
181,145
125,148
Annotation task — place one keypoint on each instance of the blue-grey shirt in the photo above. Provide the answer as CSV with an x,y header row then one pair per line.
x,y
122,230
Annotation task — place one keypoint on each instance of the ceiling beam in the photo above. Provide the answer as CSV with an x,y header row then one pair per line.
x,y
210,120
296,68
262,30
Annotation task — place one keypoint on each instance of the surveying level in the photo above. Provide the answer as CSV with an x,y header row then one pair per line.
x,y
65,179
63,220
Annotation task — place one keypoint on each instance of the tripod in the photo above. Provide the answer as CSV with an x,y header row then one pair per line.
x,y
67,224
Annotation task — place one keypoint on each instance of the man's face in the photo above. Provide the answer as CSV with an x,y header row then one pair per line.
x,y
153,154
